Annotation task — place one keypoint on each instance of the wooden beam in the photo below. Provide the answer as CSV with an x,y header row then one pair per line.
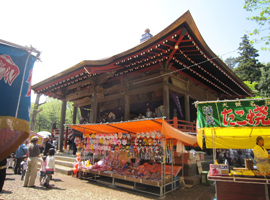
x,y
80,84
79,94
176,46
82,102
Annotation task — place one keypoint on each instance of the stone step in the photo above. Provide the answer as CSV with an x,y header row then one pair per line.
x,y
65,158
193,180
62,166
63,169
64,163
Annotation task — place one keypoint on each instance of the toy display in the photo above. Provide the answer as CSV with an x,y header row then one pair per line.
x,y
139,156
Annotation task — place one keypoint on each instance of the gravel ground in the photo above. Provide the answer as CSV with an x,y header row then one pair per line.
x,y
67,187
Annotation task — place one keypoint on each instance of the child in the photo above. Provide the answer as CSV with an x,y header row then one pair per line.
x,y
42,170
10,161
24,166
50,166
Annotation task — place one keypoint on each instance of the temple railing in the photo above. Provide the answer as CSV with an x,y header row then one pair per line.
x,y
182,125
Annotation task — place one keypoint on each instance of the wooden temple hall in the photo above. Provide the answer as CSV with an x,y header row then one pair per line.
x,y
168,71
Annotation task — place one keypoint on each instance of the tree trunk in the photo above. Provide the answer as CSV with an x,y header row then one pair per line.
x,y
35,112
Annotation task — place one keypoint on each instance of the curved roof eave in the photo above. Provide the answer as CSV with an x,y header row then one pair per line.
x,y
184,20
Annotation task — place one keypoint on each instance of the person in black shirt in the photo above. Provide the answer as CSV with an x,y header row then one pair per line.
x,y
48,145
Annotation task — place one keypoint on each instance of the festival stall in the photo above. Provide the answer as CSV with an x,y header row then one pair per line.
x,y
235,124
138,155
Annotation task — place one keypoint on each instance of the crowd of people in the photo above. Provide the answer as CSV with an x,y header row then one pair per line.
x,y
24,162
234,157
150,114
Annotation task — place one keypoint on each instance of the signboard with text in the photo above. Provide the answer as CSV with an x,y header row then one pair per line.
x,y
231,122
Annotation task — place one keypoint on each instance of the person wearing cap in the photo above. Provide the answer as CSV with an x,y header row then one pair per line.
x,y
261,156
32,163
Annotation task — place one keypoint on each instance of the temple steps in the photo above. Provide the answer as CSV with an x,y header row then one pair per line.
x,y
63,163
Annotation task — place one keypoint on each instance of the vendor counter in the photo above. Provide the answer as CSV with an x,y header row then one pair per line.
x,y
248,188
159,188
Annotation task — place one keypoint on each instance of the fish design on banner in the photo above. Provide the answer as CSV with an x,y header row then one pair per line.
x,y
16,67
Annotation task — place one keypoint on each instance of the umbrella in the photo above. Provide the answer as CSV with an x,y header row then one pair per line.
x,y
43,134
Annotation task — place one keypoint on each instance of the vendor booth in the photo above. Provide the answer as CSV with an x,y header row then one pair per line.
x,y
138,155
235,124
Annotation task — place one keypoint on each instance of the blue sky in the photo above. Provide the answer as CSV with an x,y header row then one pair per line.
x,y
68,32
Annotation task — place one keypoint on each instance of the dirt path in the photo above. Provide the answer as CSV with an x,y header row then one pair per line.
x,y
67,187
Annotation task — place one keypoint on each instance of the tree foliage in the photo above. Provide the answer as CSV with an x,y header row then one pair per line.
x,y
262,19
51,111
264,84
231,62
248,68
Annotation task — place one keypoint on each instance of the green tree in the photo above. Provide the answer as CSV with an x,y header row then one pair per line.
x,y
231,62
50,112
249,67
264,84
262,19
253,86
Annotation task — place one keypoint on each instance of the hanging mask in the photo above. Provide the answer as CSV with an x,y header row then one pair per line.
x,y
136,141
111,141
153,135
124,142
147,134
144,141
142,135
124,136
119,135
157,149
115,141
154,142
158,134
149,141
128,142
138,135
128,136
132,141
100,141
119,142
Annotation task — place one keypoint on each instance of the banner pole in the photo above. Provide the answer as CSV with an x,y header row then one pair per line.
x,y
19,99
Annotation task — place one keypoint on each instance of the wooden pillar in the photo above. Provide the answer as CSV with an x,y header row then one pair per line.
x,y
75,110
93,114
127,107
166,98
62,122
66,137
187,108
